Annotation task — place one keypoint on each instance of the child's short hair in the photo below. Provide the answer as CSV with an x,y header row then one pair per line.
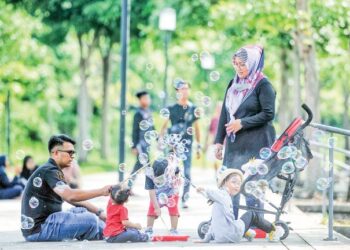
x,y
119,195
159,166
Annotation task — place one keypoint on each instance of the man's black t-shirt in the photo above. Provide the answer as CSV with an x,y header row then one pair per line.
x,y
39,200
182,117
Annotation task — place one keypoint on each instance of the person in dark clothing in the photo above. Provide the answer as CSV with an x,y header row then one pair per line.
x,y
184,121
143,122
8,189
42,218
28,167
247,114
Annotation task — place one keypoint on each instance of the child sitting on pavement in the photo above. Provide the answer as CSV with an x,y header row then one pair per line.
x,y
118,227
224,228
162,181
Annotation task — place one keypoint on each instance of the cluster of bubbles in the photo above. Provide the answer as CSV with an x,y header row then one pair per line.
x,y
254,167
257,188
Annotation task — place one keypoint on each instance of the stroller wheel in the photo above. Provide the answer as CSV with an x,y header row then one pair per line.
x,y
285,229
203,228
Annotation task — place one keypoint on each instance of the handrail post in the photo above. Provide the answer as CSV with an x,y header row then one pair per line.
x,y
330,189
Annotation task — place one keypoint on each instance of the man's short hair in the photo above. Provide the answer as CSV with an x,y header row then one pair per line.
x,y
180,84
141,93
58,140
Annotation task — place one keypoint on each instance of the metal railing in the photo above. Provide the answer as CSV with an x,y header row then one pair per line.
x,y
331,149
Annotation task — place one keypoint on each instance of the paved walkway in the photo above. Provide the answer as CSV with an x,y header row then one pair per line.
x,y
307,233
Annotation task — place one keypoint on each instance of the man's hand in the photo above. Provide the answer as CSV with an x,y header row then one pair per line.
x,y
106,190
103,216
138,226
218,151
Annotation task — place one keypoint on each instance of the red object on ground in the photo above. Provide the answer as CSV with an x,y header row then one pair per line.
x,y
170,238
287,134
259,233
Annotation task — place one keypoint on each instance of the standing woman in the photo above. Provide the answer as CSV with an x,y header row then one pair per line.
x,y
247,114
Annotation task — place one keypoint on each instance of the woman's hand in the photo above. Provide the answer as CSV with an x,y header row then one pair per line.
x,y
218,151
233,127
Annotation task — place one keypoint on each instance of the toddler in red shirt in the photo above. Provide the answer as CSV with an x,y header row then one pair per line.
x,y
118,227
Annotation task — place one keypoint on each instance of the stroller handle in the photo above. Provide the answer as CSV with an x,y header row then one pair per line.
x,y
309,116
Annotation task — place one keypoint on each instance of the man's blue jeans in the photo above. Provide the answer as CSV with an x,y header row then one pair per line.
x,y
76,223
187,172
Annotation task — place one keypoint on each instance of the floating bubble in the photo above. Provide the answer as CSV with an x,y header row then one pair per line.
x,y
198,112
143,158
149,85
194,57
88,144
149,172
144,125
61,186
33,202
293,151
204,55
259,194
122,167
161,94
262,169
262,184
171,202
163,199
151,136
183,157
322,183
206,101
149,66
179,96
159,181
318,135
214,76
26,222
205,228
131,144
37,182
164,113
265,153
288,168
301,162
284,153
186,196
189,130
250,186
252,169
20,154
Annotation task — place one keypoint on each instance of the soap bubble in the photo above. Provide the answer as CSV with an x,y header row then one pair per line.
x,y
149,66
323,183
61,186
37,182
151,136
262,184
88,145
159,181
214,76
149,85
288,167
265,153
257,193
252,169
301,162
262,169
33,202
165,113
250,186
198,112
206,101
171,202
284,153
122,167
144,125
26,222
143,158
194,57
293,152
20,154
163,199
189,130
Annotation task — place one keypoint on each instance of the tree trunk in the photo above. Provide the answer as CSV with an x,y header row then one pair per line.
x,y
104,125
296,85
308,55
284,103
346,125
84,102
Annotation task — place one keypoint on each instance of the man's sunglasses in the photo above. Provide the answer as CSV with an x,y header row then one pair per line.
x,y
70,152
